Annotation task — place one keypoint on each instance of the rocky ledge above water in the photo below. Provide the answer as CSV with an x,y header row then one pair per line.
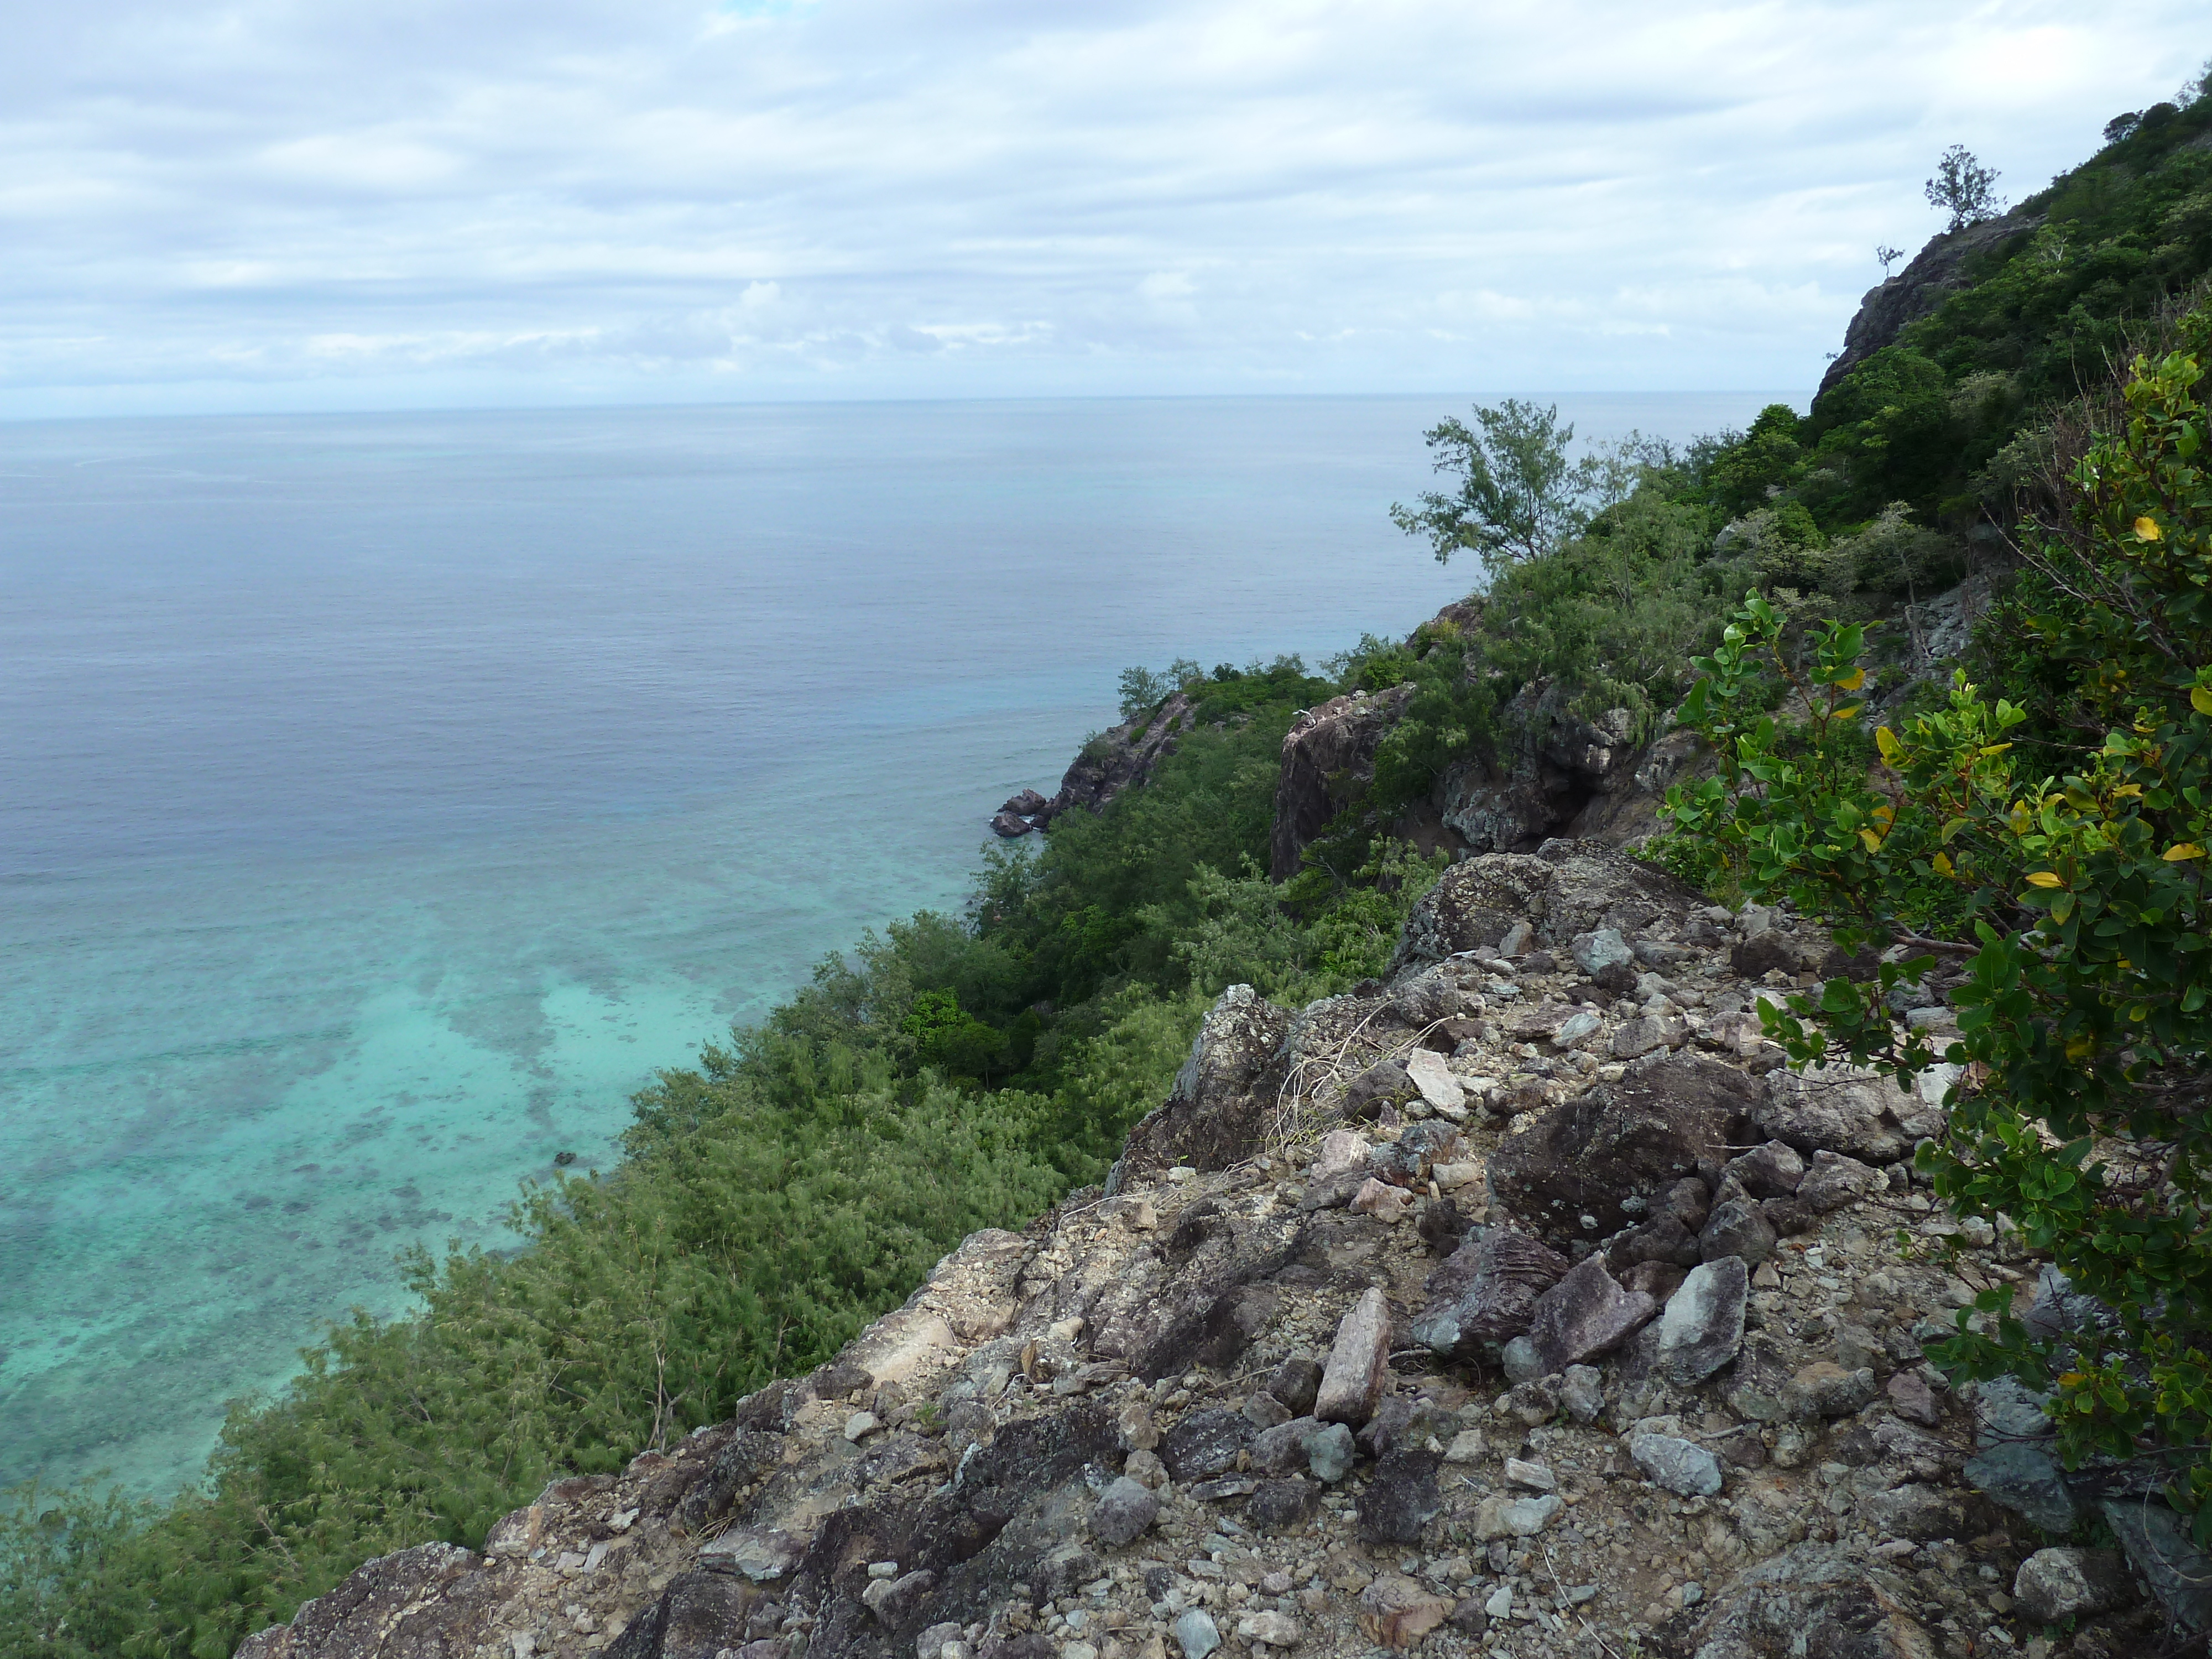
x,y
1521,1303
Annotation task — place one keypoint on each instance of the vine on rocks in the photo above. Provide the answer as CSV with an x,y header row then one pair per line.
x,y
2074,904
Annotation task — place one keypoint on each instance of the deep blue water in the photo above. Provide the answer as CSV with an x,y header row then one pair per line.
x,y
383,797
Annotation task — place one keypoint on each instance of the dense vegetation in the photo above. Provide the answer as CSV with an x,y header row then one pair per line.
x,y
965,1070
2067,870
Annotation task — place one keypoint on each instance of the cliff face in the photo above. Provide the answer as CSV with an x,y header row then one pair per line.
x,y
1935,273
1249,1398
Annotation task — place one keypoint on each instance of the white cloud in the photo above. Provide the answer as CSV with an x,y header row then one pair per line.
x,y
998,195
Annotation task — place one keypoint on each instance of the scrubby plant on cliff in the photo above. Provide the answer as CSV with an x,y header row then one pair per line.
x,y
2074,899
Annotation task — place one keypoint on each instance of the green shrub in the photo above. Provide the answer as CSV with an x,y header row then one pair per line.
x,y
2075,900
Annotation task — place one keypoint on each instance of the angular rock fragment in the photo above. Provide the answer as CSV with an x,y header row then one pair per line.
x,y
1738,1227
1352,1380
1773,1170
1205,1442
1678,1466
1124,1509
1825,1389
2070,1583
1276,1504
1329,1454
1859,1113
1434,1079
1395,1612
1281,1449
1295,1382
1401,1497
1703,1325
1486,1290
1832,1181
1584,1316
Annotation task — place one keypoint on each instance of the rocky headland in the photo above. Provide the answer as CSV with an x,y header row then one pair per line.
x,y
1522,1302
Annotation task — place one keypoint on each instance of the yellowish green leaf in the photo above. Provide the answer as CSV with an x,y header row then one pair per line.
x,y
2182,851
2046,879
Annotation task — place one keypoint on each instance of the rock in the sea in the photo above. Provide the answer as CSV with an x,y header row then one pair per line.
x,y
1571,1170
1703,1325
1008,825
1680,1465
1124,1508
2070,1583
1026,804
1584,1316
1352,1380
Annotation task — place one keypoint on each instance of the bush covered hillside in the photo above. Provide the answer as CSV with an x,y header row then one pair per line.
x,y
967,1070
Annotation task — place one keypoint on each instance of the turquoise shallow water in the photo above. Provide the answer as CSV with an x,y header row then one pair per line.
x,y
383,799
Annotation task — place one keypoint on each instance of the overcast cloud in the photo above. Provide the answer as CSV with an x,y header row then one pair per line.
x,y
302,203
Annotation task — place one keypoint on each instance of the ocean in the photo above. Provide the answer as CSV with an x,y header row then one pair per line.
x,y
383,799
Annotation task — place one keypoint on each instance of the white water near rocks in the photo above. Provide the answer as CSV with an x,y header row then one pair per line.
x,y
383,799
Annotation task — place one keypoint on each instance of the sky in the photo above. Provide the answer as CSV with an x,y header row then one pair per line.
x,y
214,206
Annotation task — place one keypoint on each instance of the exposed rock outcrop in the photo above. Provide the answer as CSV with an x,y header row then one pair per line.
x,y
1936,272
1120,757
1103,1437
1328,761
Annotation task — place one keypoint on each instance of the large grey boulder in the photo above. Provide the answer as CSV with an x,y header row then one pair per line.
x,y
1570,1171
2158,1548
1813,1599
1859,1113
1217,1113
2070,1583
1328,761
1568,888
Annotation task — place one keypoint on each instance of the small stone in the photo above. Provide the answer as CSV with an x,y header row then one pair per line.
x,y
1584,1316
1825,1389
2025,1478
1264,1411
1134,1427
1581,1023
1276,1504
1433,1077
1145,1469
1125,1510
1402,1497
1453,1176
1182,1174
930,1644
1378,1199
1195,1629
1329,1454
1521,1362
1295,1382
1680,1467
861,1424
1500,1603
1341,1150
1515,1517
1738,1227
1274,1630
1534,1476
1395,1612
1205,1442
1582,1391
1832,1181
1468,1446
1773,1170
1358,1360
1596,951
1912,1398
883,1569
